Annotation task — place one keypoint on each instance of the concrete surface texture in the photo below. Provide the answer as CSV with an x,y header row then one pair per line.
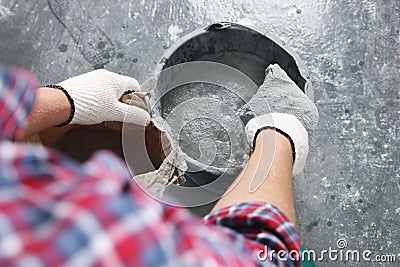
x,y
351,186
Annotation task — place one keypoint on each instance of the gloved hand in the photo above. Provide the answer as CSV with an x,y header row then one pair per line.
x,y
96,95
280,104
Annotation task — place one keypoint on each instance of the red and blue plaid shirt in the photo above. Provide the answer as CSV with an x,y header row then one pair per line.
x,y
56,212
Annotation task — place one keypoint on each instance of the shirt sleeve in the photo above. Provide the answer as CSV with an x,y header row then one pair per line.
x,y
17,96
263,228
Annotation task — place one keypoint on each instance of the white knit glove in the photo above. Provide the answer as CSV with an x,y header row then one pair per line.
x,y
279,103
96,95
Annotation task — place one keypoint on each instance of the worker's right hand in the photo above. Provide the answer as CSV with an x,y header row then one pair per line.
x,y
280,104
96,98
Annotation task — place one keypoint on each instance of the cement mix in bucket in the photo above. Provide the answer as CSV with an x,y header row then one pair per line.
x,y
204,122
203,116
207,120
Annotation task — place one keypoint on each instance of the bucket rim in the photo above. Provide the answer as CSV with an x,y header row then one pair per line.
x,y
223,25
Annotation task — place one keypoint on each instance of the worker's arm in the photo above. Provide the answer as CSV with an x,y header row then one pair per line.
x,y
51,108
87,99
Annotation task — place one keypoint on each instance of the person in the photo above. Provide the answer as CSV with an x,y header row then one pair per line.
x,y
57,212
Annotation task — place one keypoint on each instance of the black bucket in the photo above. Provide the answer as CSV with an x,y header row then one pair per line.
x,y
225,37
245,49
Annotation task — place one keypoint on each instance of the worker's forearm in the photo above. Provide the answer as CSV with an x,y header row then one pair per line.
x,y
52,108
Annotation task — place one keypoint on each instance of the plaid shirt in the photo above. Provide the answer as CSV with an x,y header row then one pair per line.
x,y
56,212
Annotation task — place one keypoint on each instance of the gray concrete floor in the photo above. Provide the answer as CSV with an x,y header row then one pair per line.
x,y
351,184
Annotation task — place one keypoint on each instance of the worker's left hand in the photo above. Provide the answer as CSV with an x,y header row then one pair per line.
x,y
96,97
